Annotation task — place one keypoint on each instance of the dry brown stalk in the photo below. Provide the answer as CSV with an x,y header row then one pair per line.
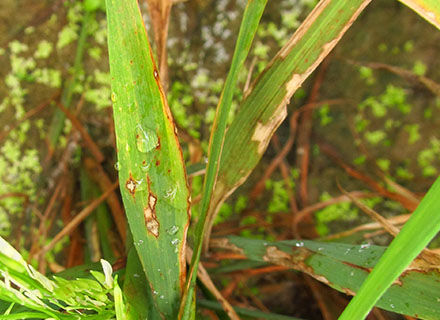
x,y
160,17
203,276
99,176
90,144
330,151
78,219
29,115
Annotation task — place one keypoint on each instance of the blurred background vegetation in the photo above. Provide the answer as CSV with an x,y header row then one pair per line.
x,y
371,125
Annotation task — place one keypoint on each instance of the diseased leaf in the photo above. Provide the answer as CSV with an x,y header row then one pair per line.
x,y
264,106
345,267
151,171
415,235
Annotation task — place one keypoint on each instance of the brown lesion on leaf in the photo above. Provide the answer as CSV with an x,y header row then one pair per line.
x,y
150,216
264,130
355,266
276,256
297,261
224,243
426,262
130,184
158,143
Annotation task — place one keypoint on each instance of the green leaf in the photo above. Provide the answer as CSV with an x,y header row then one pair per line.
x,y
427,9
58,298
414,236
345,267
57,122
249,25
119,302
151,170
264,106
24,315
136,288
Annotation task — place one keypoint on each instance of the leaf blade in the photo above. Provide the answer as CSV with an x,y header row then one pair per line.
x,y
344,267
152,175
427,9
411,240
251,18
264,106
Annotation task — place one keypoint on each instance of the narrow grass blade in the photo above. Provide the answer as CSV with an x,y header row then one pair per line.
x,y
57,123
151,170
427,9
57,298
414,236
249,25
344,267
136,289
24,315
119,302
90,191
264,106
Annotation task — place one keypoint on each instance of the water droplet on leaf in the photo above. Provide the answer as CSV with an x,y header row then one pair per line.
x,y
117,166
173,230
145,166
140,185
171,193
146,139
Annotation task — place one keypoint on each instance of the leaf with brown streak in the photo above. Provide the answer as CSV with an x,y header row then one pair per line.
x,y
151,170
160,17
264,106
344,267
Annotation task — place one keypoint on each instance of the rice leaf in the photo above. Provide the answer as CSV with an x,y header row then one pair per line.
x,y
151,170
411,240
251,18
427,9
264,106
344,267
